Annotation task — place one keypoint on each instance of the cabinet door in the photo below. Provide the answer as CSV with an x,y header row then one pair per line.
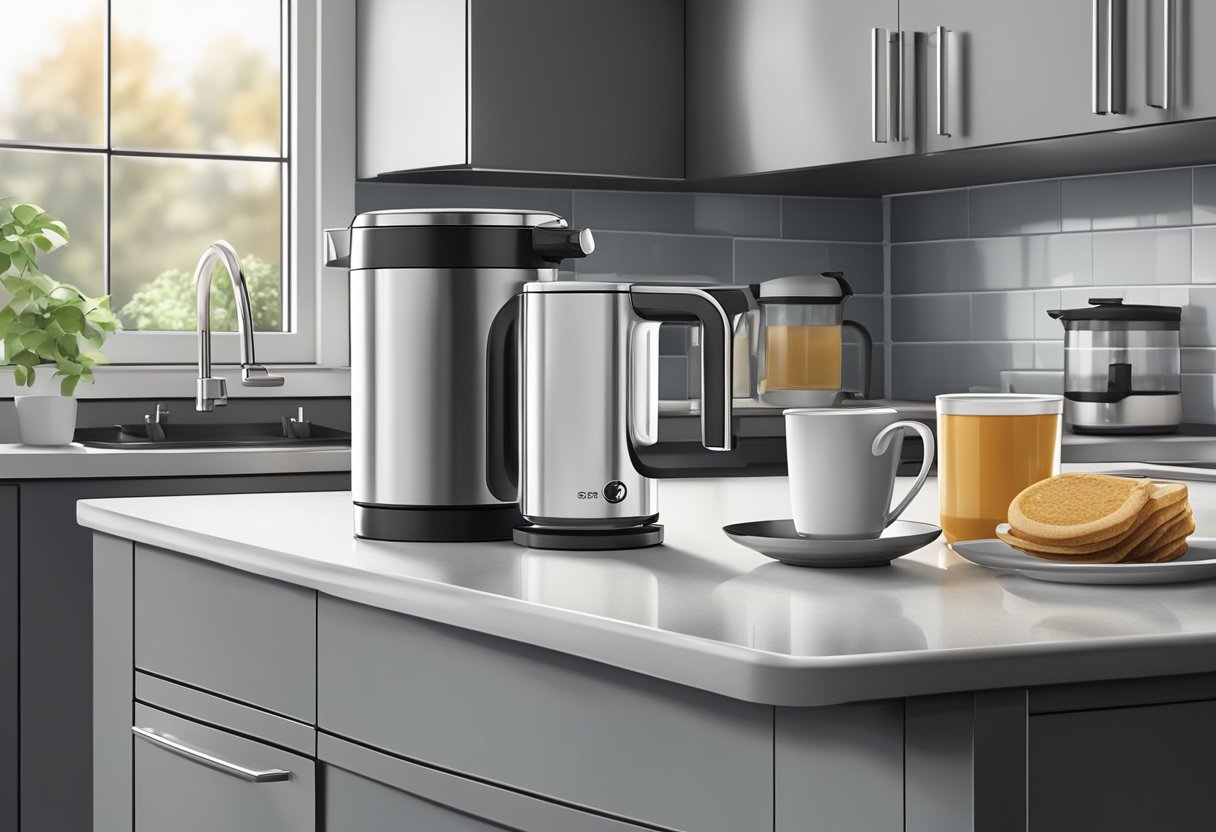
x,y
366,791
1029,70
1123,769
782,84
191,778
1191,77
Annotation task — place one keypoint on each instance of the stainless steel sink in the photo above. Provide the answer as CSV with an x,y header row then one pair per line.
x,y
209,435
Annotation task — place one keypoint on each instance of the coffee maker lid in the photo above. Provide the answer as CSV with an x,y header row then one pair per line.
x,y
1114,309
826,287
493,217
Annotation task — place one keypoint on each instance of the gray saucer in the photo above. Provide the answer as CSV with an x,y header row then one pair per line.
x,y
777,539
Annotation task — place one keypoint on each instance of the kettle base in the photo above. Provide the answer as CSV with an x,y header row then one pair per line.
x,y
437,524
584,540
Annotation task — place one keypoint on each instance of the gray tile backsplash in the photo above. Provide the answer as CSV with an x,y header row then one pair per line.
x,y
719,238
1203,255
1127,258
941,215
1035,261
846,220
1127,200
757,260
1147,237
931,317
1023,208
1204,195
718,214
627,255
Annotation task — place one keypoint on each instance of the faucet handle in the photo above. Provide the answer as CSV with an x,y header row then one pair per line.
x,y
255,375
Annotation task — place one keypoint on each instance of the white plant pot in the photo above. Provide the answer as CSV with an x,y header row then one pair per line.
x,y
45,420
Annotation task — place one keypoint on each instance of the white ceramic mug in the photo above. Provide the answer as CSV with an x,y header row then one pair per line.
x,y
842,464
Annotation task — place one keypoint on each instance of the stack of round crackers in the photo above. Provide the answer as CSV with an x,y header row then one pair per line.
x,y
1098,518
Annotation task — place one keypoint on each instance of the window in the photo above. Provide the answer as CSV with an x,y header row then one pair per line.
x,y
153,128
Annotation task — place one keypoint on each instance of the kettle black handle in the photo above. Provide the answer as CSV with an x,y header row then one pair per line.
x,y
502,403
715,309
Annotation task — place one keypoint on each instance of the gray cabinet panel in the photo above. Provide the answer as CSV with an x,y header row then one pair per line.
x,y
840,768
577,87
543,722
175,792
366,791
783,84
113,658
937,760
1022,71
1124,769
239,635
56,632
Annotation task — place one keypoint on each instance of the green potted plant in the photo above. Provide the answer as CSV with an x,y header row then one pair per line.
x,y
48,330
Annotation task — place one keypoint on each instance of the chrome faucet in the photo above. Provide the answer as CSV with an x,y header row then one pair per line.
x,y
214,391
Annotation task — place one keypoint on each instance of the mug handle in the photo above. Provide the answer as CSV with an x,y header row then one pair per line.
x,y
883,441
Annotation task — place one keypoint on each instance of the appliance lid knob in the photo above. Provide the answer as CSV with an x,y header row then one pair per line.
x,y
555,244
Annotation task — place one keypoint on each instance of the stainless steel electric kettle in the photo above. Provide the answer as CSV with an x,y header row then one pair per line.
x,y
588,396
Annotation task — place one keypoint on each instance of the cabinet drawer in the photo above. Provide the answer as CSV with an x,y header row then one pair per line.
x,y
191,778
366,791
542,722
239,635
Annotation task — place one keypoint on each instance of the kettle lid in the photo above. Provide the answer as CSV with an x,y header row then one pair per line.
x,y
826,287
493,217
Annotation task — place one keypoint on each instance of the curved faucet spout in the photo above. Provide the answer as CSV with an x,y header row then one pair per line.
x,y
214,391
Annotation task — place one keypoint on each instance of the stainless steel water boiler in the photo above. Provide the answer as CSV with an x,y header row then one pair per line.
x,y
589,396
1122,367
433,293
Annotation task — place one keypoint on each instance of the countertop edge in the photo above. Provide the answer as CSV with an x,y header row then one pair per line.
x,y
767,678
24,463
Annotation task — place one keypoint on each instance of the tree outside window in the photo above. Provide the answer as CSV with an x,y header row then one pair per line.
x,y
189,151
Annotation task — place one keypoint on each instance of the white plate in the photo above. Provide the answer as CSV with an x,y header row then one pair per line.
x,y
778,540
1199,563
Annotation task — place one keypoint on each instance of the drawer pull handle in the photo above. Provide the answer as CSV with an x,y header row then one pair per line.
x,y
272,775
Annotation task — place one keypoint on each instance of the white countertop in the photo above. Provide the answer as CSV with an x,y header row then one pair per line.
x,y
29,462
706,612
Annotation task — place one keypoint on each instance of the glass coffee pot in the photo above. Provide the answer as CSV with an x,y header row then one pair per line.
x,y
800,343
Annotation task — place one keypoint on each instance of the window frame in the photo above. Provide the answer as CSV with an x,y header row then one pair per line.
x,y
318,192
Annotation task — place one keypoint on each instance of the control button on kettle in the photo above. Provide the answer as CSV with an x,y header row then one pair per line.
x,y
615,491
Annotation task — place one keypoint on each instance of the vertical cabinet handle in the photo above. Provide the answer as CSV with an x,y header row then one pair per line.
x,y
878,46
1167,57
898,134
1114,67
942,123
272,775
1096,76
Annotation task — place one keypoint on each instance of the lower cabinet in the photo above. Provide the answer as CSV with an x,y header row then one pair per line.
x,y
366,791
1148,767
193,778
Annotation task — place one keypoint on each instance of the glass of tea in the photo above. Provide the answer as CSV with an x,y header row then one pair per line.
x,y
990,447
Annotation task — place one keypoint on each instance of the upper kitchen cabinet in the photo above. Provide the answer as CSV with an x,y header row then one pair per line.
x,y
1183,67
784,84
583,87
1035,69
